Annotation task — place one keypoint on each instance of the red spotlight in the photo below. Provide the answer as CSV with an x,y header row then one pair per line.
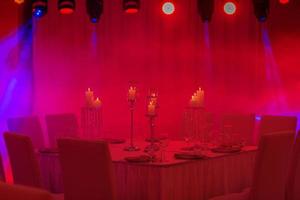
x,y
131,10
168,8
229,8
66,7
284,1
131,6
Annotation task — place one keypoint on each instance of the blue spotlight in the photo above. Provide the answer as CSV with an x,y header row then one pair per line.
x,y
94,20
39,8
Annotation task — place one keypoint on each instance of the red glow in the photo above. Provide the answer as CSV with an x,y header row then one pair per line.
x,y
168,8
284,1
66,11
229,8
131,10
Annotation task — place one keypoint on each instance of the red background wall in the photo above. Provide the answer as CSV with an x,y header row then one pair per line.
x,y
243,66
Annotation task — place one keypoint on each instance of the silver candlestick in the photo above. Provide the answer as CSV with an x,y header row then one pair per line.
x,y
131,147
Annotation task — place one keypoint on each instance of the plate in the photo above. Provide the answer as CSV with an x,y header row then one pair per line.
x,y
138,159
189,155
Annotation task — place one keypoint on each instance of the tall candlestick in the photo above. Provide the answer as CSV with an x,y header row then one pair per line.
x,y
132,93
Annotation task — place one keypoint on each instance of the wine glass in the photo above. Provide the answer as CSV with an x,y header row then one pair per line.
x,y
164,143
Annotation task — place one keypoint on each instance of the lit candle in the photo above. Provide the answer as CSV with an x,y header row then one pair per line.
x,y
151,108
132,93
89,96
97,103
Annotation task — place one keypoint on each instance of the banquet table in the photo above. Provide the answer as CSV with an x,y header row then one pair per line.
x,y
170,179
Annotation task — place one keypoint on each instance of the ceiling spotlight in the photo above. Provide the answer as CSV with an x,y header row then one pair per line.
x,y
94,9
19,1
206,9
229,8
66,7
39,8
284,1
261,9
168,8
131,6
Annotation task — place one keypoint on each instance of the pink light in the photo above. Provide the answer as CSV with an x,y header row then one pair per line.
x,y
229,8
168,8
284,1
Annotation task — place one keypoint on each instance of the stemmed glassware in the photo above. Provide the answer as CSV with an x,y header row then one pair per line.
x,y
152,114
131,100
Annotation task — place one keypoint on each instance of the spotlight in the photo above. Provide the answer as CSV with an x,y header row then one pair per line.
x,y
94,9
131,6
19,1
284,1
168,8
229,8
66,7
206,9
39,8
261,9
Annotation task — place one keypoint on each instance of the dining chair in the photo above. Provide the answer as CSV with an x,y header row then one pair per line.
x,y
17,192
87,170
29,126
293,183
23,160
61,125
2,172
242,125
270,124
271,168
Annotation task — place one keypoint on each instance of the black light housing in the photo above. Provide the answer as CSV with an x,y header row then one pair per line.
x,y
39,8
94,9
206,9
261,9
131,6
66,6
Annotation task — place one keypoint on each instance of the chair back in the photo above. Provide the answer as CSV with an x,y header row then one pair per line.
x,y
2,172
87,170
16,192
293,184
271,166
271,124
61,125
23,160
242,126
29,126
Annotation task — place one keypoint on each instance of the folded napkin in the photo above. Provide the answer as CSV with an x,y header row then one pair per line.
x,y
138,159
189,155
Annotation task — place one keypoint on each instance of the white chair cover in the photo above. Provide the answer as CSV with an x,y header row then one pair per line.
x,y
242,124
271,124
293,184
271,167
24,163
16,192
2,172
61,125
87,170
29,126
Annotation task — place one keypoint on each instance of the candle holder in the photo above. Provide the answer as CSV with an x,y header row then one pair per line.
x,y
131,147
152,147
196,116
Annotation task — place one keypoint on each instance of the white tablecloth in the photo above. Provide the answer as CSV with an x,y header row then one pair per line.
x,y
170,180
